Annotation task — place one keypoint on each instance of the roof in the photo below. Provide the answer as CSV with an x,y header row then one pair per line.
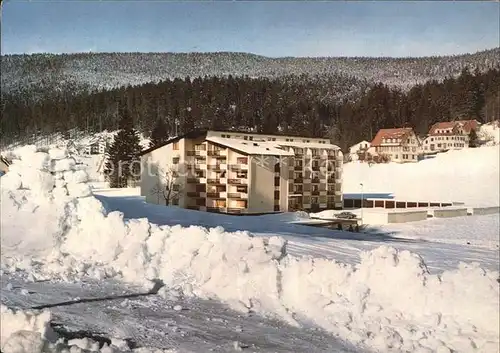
x,y
250,147
467,125
244,145
390,133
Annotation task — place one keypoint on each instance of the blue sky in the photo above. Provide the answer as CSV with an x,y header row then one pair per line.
x,y
271,28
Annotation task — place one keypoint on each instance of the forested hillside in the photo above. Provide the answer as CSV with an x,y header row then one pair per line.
x,y
44,73
278,105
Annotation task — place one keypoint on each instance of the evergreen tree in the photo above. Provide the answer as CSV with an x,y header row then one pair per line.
x,y
123,163
473,139
159,134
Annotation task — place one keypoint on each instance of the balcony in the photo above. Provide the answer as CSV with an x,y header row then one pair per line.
x,y
214,153
315,181
216,195
195,193
298,180
331,157
330,192
315,168
330,180
215,181
298,167
198,153
237,195
216,209
216,166
315,193
236,181
193,180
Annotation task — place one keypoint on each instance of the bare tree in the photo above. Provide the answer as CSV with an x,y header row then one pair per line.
x,y
167,187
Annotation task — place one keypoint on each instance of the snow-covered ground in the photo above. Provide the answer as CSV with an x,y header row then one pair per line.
x,y
364,289
469,176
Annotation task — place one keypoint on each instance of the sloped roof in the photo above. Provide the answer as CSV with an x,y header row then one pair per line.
x,y
467,126
250,147
395,133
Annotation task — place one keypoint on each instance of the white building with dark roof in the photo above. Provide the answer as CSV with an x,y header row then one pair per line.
x,y
244,173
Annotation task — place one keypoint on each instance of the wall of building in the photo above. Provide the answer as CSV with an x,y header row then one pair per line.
x,y
261,190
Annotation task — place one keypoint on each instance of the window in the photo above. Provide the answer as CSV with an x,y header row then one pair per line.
x,y
176,187
175,146
250,138
200,202
314,200
175,201
276,195
242,160
175,160
245,137
241,174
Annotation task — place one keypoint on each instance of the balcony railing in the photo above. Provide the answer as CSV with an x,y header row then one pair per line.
x,y
315,181
235,181
195,153
330,192
331,157
237,195
298,180
315,168
315,192
214,167
213,153
213,181
193,180
331,180
298,167
216,209
214,195
235,167
194,193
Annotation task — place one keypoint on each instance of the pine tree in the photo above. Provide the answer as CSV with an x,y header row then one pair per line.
x,y
123,162
473,139
159,134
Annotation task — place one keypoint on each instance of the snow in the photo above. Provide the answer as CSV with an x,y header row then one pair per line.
x,y
490,132
251,147
75,236
469,176
30,331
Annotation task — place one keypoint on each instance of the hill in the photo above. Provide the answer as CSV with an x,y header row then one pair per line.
x,y
469,176
42,72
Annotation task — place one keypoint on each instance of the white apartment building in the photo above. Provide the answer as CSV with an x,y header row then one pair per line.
x,y
400,145
359,150
243,173
450,135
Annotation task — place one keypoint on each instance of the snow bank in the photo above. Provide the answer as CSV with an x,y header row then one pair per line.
x,y
388,302
469,175
30,331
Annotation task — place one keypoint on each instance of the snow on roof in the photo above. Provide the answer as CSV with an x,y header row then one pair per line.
x,y
250,147
299,144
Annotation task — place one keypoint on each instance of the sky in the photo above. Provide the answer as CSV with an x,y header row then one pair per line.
x,y
269,28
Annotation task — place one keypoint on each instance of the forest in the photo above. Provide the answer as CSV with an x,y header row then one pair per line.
x,y
267,105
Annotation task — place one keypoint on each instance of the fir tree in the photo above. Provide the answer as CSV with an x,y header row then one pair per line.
x,y
473,140
159,134
123,162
